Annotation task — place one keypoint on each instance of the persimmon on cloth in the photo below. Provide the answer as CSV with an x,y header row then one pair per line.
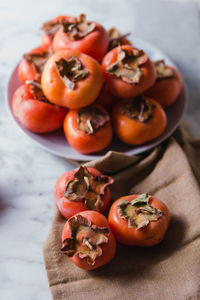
x,y
169,270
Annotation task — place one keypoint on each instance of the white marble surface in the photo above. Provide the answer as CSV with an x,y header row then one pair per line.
x,y
28,173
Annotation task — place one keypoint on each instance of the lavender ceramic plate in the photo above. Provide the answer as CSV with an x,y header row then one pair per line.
x,y
56,143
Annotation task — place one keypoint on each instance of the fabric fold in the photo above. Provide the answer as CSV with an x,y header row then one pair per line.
x,y
170,270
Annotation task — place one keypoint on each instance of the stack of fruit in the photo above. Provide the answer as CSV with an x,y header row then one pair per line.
x,y
92,82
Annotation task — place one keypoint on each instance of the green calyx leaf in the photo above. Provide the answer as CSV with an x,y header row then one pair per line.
x,y
138,212
143,198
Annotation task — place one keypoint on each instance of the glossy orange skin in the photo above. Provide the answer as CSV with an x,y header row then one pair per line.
x,y
35,115
109,248
47,40
106,99
86,90
166,91
134,132
69,208
123,89
83,142
94,44
147,236
26,70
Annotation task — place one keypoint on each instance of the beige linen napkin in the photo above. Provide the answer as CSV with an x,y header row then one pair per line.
x,y
170,270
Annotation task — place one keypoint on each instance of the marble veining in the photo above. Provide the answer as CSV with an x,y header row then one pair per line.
x,y
28,173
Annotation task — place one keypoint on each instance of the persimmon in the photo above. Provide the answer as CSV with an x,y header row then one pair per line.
x,y
140,220
32,64
34,111
128,71
51,27
116,39
78,34
106,98
88,241
88,129
82,189
72,79
168,84
138,120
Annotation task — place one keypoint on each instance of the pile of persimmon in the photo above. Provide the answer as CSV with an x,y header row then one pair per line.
x,y
88,238
93,82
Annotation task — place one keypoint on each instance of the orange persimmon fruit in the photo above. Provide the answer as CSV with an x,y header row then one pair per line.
x,y
82,189
140,220
88,130
34,111
51,27
106,99
72,79
138,120
168,84
88,241
128,71
32,64
78,34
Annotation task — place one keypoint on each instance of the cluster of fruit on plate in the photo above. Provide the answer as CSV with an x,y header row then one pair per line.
x,y
88,237
93,82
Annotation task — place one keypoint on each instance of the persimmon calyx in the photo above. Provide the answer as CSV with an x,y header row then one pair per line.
x,y
70,71
140,109
87,188
51,27
127,66
115,38
75,28
38,60
36,91
78,28
91,119
138,212
86,239
162,70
